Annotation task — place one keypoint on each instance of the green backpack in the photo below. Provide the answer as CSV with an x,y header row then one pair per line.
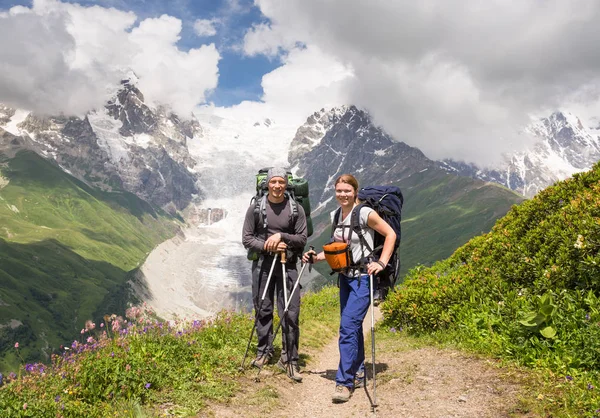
x,y
297,193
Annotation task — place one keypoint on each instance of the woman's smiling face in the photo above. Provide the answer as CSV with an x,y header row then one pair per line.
x,y
345,194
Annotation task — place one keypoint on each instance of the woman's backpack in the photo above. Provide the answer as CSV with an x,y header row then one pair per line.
x,y
387,201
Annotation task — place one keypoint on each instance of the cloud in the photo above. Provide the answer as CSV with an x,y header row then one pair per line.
x,y
205,27
455,78
307,81
262,38
60,57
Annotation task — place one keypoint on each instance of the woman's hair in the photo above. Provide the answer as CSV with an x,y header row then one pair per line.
x,y
348,179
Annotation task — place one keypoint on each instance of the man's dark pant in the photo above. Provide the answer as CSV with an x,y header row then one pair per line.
x,y
264,309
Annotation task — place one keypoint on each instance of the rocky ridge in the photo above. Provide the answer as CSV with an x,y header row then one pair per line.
x,y
346,139
564,147
126,145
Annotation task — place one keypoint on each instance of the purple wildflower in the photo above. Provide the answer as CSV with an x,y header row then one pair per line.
x,y
57,399
590,386
147,385
569,378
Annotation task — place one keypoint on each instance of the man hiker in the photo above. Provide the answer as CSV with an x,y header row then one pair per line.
x,y
284,232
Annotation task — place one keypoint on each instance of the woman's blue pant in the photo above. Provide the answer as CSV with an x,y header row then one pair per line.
x,y
354,304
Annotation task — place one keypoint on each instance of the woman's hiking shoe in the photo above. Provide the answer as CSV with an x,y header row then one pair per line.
x,y
261,360
359,380
341,394
293,372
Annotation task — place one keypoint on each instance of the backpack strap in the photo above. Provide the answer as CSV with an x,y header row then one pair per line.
x,y
355,222
260,212
336,220
293,207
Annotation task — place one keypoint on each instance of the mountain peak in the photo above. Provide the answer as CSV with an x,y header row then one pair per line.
x,y
564,146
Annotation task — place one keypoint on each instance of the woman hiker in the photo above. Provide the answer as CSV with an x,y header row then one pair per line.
x,y
354,282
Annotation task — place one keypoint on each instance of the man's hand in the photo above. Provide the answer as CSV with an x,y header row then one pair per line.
x,y
272,244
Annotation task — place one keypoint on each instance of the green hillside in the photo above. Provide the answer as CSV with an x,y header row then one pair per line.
x,y
528,290
66,252
441,212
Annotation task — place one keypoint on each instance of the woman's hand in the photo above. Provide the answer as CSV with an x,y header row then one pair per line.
x,y
375,267
310,256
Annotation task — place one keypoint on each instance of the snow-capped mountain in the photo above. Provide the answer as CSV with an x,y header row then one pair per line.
x,y
126,145
344,140
564,146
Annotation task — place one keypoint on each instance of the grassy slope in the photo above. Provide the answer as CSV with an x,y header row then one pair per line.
x,y
441,212
157,369
527,291
66,251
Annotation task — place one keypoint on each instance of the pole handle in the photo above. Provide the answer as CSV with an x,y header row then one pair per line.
x,y
283,257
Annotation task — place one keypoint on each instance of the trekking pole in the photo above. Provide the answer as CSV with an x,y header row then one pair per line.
x,y
259,308
285,311
284,276
374,404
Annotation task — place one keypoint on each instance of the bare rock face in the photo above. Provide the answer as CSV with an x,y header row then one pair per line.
x,y
347,139
6,113
129,107
73,145
205,216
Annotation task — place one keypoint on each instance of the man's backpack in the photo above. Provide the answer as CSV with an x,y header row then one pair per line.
x,y
387,201
296,192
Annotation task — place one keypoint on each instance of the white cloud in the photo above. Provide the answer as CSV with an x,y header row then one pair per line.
x,y
307,81
59,57
265,39
455,78
205,27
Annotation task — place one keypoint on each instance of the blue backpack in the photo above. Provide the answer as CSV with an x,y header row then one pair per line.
x,y
387,201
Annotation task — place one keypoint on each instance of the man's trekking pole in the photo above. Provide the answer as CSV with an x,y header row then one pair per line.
x,y
284,276
374,404
259,308
284,315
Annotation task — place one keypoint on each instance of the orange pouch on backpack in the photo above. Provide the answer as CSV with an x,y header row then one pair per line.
x,y
337,255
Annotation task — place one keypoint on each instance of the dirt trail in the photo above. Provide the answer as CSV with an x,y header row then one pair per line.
x,y
410,383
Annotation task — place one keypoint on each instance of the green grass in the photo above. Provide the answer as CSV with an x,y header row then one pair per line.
x,y
66,253
527,291
153,368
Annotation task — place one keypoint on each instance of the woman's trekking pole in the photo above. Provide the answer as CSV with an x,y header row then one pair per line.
x,y
259,308
374,404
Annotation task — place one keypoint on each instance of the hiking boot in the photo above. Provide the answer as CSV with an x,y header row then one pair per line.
x,y
341,394
359,380
261,360
376,297
293,373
